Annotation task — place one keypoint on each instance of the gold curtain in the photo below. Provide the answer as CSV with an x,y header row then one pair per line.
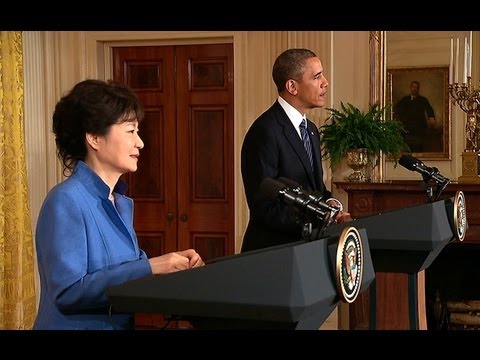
x,y
17,277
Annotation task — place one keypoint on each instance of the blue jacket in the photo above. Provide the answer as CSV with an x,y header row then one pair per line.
x,y
84,245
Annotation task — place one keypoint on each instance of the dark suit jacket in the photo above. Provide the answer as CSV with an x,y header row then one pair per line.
x,y
413,113
272,148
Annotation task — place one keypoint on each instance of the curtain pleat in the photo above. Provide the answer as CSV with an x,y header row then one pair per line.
x,y
17,276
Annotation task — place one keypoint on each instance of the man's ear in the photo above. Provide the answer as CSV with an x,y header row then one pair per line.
x,y
291,86
92,140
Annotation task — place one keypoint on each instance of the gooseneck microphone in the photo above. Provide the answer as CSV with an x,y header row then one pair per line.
x,y
314,196
292,185
272,189
414,164
292,193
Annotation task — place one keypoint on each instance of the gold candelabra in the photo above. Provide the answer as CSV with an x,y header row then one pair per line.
x,y
468,99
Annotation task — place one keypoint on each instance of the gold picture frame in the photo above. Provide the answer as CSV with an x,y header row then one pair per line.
x,y
434,141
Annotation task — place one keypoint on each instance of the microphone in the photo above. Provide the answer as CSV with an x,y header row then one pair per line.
x,y
317,198
290,184
314,196
291,192
272,189
414,164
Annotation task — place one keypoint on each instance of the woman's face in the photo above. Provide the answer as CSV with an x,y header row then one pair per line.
x,y
119,149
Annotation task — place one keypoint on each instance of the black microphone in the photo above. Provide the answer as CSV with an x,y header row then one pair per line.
x,y
317,198
314,196
292,185
272,189
414,164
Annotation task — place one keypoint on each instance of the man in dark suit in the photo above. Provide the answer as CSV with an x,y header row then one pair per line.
x,y
273,148
418,118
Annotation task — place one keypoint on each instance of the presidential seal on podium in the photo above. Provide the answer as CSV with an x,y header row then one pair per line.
x,y
349,264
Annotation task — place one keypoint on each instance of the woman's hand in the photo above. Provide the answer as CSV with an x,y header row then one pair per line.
x,y
175,261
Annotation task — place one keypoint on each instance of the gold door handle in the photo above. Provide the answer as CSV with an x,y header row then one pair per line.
x,y
169,216
184,217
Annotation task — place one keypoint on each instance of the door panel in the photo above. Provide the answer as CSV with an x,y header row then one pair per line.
x,y
205,156
148,71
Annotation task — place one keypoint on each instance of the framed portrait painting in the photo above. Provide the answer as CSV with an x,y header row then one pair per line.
x,y
419,99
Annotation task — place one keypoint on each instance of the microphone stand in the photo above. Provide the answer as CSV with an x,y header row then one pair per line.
x,y
331,218
307,231
320,225
442,187
428,188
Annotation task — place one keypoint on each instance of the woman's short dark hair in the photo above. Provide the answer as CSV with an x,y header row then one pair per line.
x,y
290,64
92,106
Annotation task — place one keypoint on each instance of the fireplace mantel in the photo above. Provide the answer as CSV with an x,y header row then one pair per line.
x,y
372,198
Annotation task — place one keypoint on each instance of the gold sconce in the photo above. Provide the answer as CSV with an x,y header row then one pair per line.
x,y
468,99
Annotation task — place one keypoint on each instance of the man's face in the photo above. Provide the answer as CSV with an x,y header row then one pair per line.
x,y
312,88
414,89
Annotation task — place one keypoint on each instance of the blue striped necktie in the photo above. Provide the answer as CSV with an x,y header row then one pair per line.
x,y
306,140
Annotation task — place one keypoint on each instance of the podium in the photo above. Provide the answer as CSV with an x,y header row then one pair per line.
x,y
406,241
292,286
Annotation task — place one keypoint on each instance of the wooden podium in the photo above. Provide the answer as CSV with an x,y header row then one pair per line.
x,y
393,288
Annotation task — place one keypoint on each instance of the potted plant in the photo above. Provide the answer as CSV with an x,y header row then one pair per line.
x,y
359,135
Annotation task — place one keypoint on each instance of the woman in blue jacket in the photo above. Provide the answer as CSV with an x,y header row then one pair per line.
x,y
85,239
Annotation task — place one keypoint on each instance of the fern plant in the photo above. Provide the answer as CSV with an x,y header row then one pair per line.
x,y
350,128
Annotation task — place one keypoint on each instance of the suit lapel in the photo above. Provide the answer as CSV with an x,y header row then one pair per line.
x,y
292,137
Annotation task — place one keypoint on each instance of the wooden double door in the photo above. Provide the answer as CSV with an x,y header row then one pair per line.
x,y
184,187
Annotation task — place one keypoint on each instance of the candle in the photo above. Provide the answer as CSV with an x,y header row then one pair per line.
x,y
450,68
465,63
457,50
470,55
